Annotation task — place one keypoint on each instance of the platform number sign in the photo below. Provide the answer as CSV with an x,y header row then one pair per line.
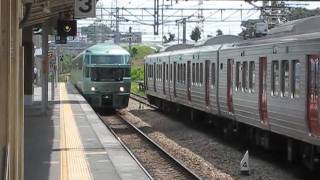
x,y
84,8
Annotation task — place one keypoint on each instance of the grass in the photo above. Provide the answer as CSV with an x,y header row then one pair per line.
x,y
135,89
142,51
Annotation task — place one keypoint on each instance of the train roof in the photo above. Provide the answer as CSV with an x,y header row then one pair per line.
x,y
306,29
106,49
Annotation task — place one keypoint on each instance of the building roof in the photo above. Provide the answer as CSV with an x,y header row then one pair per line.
x,y
42,10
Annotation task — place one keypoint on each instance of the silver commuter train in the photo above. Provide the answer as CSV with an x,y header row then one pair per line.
x,y
271,83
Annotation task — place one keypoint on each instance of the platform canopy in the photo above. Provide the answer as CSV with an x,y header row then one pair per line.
x,y
43,10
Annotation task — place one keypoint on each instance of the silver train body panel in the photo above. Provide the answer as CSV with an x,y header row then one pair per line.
x,y
287,115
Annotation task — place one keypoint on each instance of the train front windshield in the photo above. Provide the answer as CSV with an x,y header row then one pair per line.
x,y
110,59
109,74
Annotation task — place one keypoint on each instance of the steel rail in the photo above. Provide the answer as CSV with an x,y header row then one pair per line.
x,y
127,149
178,162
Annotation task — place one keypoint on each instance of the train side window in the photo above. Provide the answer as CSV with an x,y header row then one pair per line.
x,y
238,83
213,74
167,72
151,70
184,73
296,74
179,72
198,73
285,78
245,76
275,78
201,73
87,72
157,72
171,72
252,76
86,59
160,77
193,73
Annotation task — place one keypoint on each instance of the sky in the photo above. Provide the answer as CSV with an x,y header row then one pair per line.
x,y
208,28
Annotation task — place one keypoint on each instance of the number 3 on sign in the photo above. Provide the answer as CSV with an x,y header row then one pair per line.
x,y
84,8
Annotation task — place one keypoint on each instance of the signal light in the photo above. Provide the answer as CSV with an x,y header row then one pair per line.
x,y
67,28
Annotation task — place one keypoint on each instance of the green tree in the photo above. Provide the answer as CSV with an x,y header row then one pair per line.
x,y
96,32
134,52
195,34
67,63
219,32
298,13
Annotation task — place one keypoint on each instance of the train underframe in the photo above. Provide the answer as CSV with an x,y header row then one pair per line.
x,y
295,150
108,100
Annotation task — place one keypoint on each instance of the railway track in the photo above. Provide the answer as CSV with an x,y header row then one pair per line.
x,y
159,164
141,99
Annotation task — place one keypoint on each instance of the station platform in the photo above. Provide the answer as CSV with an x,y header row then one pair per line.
x,y
69,141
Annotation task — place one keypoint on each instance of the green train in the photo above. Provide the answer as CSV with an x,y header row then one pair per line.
x,y
102,75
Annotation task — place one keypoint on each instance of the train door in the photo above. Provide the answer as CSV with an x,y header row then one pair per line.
x,y
146,72
189,80
206,81
174,79
230,85
263,90
164,78
154,76
170,77
313,94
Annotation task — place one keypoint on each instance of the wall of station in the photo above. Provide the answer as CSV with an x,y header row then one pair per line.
x,y
11,90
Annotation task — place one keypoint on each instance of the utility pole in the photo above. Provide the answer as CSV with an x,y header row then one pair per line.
x,y
184,31
45,67
130,38
162,20
156,17
117,35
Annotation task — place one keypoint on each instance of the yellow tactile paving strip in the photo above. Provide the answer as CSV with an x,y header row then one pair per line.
x,y
74,165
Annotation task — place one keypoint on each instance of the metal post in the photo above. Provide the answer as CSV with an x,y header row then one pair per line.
x,y
57,64
184,31
130,38
178,32
45,67
117,35
162,20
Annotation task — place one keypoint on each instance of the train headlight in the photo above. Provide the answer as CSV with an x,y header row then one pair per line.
x,y
121,89
93,89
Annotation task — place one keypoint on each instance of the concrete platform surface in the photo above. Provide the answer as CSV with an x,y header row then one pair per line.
x,y
69,141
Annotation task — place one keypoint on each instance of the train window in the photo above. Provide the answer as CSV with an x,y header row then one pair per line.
x,y
213,74
157,72
275,78
167,72
86,59
179,72
295,88
238,83
245,76
201,73
160,75
171,72
193,73
285,77
252,76
87,72
184,73
197,73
